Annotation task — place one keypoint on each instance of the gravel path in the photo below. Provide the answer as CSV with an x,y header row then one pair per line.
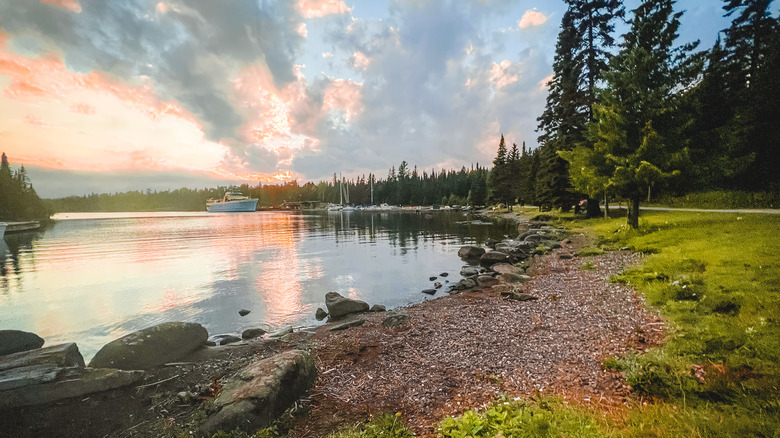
x,y
462,351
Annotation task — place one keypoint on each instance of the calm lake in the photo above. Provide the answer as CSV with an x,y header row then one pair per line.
x,y
94,277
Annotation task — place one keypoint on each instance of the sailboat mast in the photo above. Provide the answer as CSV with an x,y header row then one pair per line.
x,y
341,190
372,189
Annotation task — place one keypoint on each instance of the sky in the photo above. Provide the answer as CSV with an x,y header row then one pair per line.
x,y
103,96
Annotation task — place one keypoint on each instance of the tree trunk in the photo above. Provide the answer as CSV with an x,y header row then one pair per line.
x,y
633,211
593,210
606,206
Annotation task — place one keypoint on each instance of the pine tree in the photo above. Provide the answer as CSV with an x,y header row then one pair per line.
x,y
644,80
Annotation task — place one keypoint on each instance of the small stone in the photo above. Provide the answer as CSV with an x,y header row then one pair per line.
x,y
346,325
565,256
444,274
225,339
395,319
252,333
437,285
244,312
320,314
429,291
377,308
432,278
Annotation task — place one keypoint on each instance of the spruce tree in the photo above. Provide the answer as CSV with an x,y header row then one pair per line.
x,y
644,81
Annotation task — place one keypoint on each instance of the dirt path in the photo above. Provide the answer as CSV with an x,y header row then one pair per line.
x,y
462,351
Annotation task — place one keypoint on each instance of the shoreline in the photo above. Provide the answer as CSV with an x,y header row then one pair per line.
x,y
464,350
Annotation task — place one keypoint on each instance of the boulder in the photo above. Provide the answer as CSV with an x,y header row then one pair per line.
x,y
14,341
320,314
63,355
432,278
470,252
349,324
487,280
281,333
469,271
519,296
252,333
395,319
244,312
53,383
225,339
151,347
261,392
437,285
514,278
466,283
493,257
444,274
429,291
378,308
506,268
339,306
491,243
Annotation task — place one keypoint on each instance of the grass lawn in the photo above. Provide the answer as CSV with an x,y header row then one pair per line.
x,y
714,277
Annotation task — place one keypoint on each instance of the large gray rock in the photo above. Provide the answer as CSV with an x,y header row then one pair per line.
x,y
470,252
261,392
252,333
151,347
63,355
493,257
395,319
39,384
506,268
514,278
487,280
469,271
339,306
14,341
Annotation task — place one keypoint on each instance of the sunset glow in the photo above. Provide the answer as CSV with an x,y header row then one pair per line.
x,y
165,94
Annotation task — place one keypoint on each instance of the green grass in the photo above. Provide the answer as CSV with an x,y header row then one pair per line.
x,y
714,278
385,425
723,199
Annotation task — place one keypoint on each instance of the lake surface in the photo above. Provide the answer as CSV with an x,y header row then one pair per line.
x,y
93,277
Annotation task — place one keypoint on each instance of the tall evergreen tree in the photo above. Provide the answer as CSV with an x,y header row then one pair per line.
x,y
644,81
582,53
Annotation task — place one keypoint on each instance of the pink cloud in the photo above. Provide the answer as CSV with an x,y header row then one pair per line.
x,y
36,121
321,8
360,60
501,76
162,7
302,30
344,95
531,18
545,83
71,5
83,108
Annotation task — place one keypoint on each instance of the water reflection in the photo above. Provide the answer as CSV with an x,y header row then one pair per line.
x,y
94,279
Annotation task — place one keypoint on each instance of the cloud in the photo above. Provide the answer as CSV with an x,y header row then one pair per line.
x,y
360,60
302,30
531,18
501,74
71,5
321,8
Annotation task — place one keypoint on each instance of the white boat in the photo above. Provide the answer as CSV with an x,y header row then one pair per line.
x,y
232,202
334,207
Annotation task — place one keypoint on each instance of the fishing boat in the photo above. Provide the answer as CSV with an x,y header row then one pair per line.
x,y
232,202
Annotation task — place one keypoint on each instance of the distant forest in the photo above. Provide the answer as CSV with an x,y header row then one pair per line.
x,y
18,200
403,186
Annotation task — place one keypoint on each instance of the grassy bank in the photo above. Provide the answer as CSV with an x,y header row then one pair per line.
x,y
714,277
721,199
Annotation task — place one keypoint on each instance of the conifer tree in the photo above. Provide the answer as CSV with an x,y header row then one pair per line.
x,y
644,80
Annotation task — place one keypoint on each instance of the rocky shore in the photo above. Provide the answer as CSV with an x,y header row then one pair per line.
x,y
524,319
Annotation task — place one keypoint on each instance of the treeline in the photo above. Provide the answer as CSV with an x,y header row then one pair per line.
x,y
646,114
18,200
403,186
